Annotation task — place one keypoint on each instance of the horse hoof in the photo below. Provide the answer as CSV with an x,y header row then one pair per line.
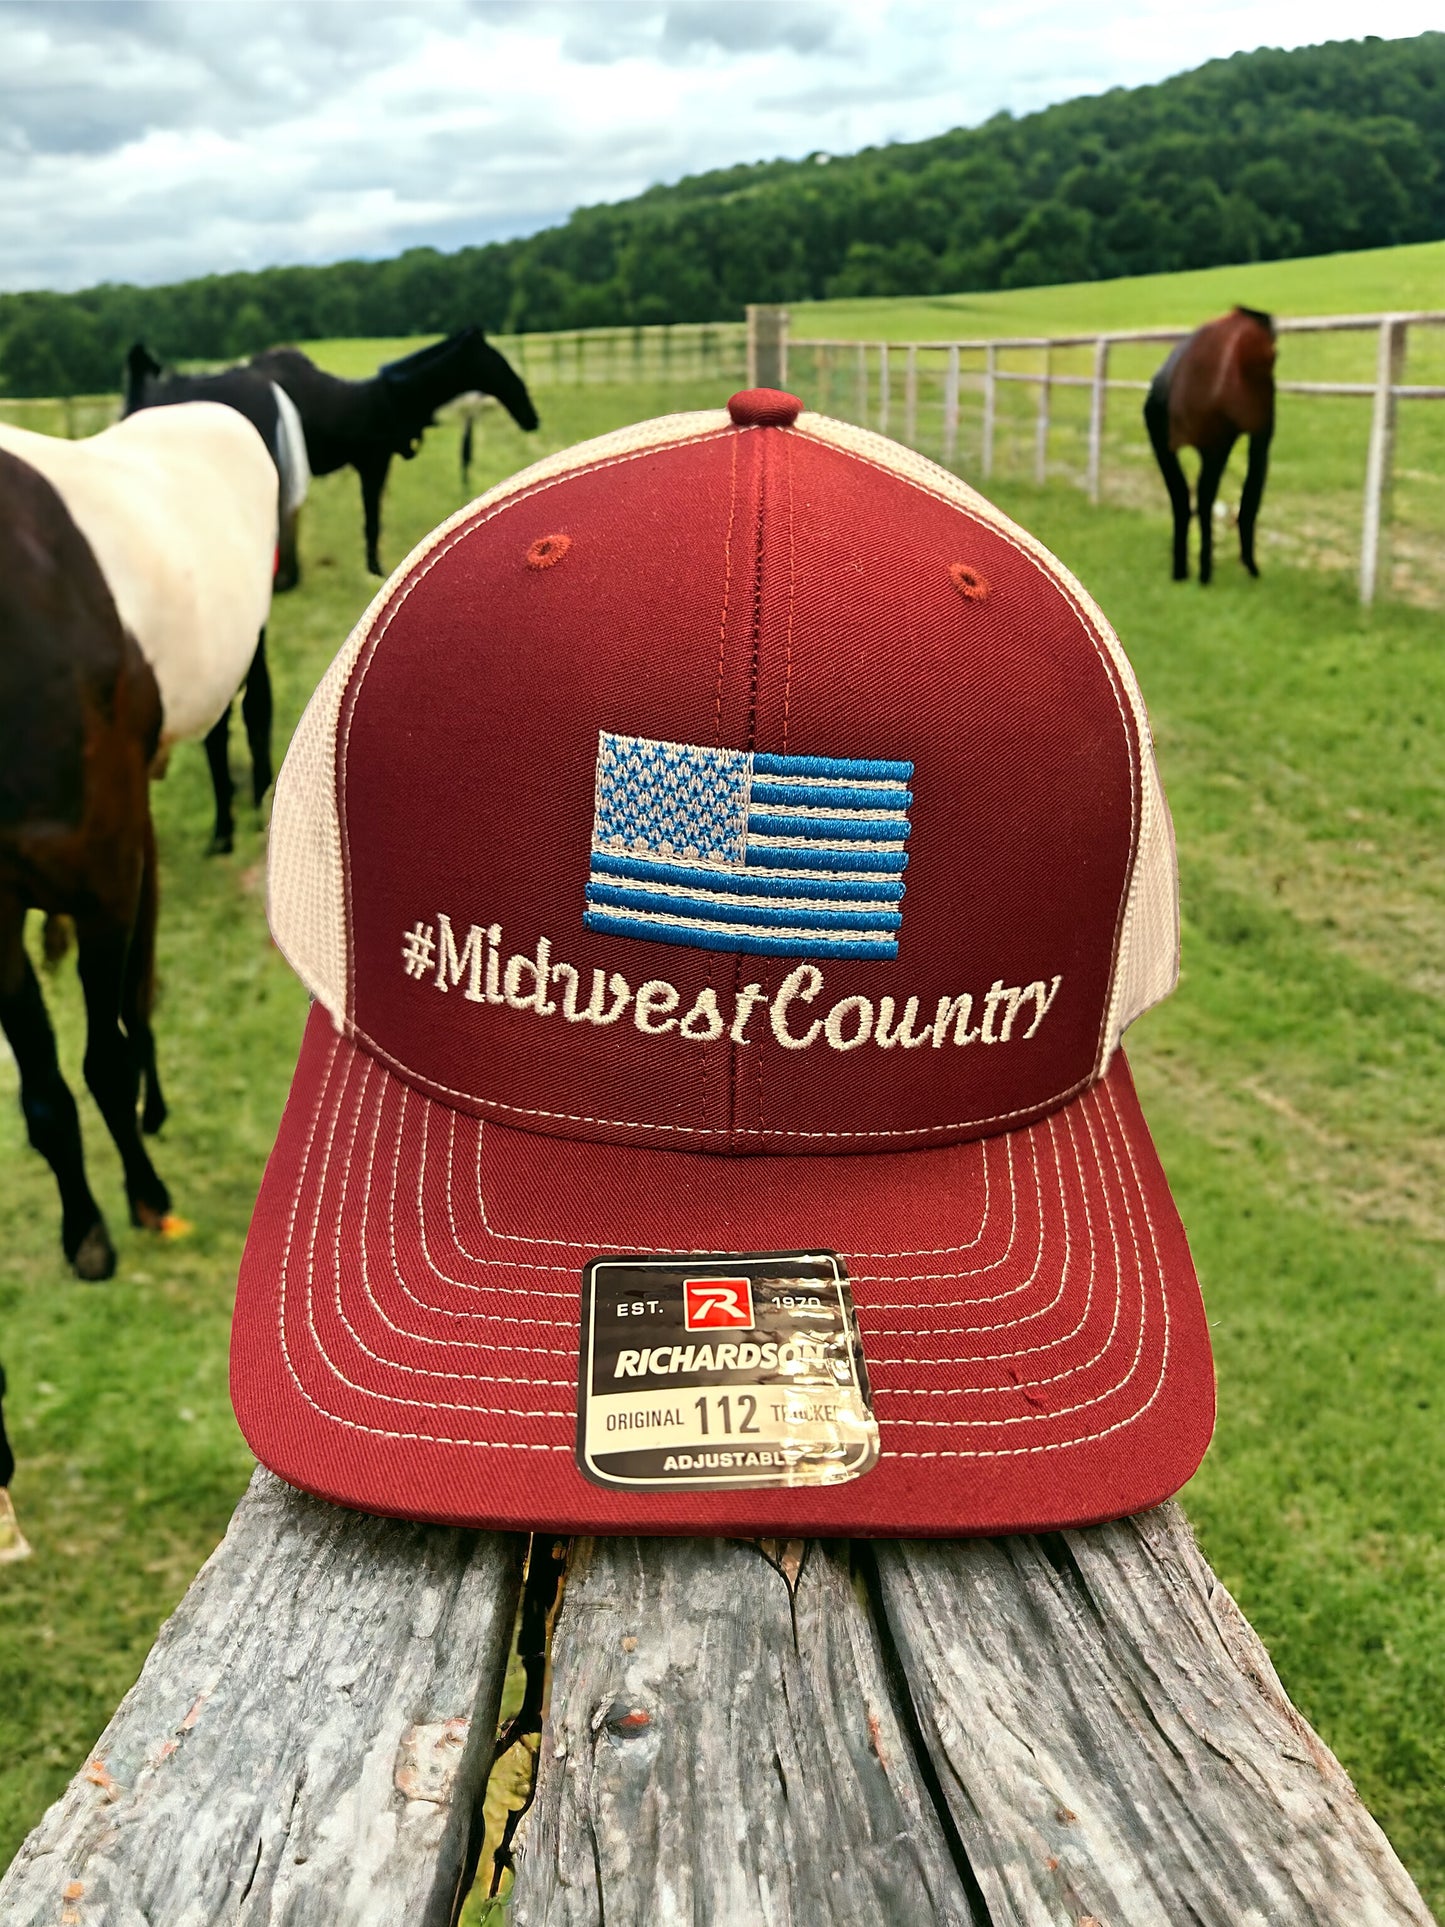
x,y
94,1257
150,1214
221,845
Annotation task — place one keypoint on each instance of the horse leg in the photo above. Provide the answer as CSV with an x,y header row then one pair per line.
x,y
288,559
52,1122
111,1067
1211,468
256,715
223,840
138,990
373,480
1156,420
1253,492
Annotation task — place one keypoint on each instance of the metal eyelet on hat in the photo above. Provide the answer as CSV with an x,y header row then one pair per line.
x,y
972,586
547,551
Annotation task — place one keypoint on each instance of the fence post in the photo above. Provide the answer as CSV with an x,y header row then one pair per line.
x,y
910,395
950,407
1389,365
861,408
990,391
1041,427
883,388
767,346
1097,396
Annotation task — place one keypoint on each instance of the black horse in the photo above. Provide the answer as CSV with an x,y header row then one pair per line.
x,y
365,423
7,1457
266,407
80,720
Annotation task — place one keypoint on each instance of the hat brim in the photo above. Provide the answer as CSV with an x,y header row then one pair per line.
x,y
407,1317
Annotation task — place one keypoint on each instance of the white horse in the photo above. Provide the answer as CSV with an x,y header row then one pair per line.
x,y
179,506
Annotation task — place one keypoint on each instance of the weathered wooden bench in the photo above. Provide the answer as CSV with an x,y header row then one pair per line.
x,y
1076,1728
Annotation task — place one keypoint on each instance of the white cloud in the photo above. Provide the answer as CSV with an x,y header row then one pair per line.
x,y
145,140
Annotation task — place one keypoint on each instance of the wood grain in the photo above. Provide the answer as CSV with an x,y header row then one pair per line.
x,y
1114,1745
307,1743
721,1750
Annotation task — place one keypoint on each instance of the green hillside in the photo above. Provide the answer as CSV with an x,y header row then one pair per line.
x,y
1368,282
1267,156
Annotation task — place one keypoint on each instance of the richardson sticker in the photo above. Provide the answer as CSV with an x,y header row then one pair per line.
x,y
728,1371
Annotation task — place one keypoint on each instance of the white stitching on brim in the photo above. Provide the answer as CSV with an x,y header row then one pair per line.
x,y
889,1392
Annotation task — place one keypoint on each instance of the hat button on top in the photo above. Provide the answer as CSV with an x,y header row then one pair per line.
x,y
764,408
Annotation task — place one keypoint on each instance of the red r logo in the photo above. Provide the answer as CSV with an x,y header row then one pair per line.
x,y
714,1304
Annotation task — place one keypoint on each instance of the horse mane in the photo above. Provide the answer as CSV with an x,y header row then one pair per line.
x,y
1256,314
426,359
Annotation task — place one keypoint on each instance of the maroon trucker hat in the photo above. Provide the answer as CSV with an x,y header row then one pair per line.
x,y
724,859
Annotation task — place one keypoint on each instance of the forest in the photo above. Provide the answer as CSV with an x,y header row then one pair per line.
x,y
1262,156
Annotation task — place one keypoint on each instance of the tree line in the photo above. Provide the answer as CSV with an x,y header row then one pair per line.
x,y
1258,157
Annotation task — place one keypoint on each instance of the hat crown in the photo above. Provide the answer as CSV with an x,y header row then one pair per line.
x,y
732,786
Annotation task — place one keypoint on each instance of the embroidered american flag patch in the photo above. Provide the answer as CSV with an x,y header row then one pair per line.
x,y
727,849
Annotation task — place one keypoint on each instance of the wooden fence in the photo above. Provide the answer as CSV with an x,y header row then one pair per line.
x,y
920,391
1356,488
672,351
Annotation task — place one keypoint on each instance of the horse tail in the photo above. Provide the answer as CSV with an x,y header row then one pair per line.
x,y
291,457
467,454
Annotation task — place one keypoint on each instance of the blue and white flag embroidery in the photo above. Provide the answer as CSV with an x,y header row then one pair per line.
x,y
728,849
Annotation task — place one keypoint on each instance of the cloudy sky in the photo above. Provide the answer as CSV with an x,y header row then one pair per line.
x,y
144,140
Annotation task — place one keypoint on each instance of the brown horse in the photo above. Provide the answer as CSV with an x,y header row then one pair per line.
x,y
80,719
1215,387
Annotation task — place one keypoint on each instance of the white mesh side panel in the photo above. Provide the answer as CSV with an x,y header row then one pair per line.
x,y
1147,966
305,903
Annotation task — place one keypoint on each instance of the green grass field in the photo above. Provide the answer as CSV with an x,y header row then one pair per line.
x,y
1293,1083
1368,282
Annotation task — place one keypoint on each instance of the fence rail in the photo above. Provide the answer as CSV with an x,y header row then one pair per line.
x,y
666,351
882,384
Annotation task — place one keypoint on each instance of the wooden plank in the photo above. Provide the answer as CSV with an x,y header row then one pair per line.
x,y
308,1742
721,1749
1113,1743
990,403
1097,402
950,409
1379,462
767,346
1041,425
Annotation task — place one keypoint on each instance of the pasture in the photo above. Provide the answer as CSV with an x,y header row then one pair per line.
x,y
1312,504
1293,1084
